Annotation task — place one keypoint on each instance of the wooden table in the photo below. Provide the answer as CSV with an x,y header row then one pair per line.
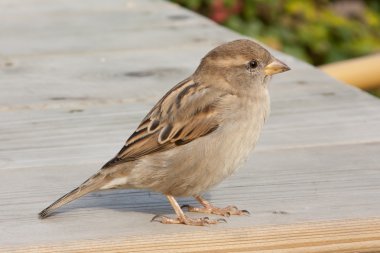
x,y
76,77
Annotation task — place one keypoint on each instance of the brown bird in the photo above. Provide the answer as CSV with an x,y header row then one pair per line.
x,y
198,134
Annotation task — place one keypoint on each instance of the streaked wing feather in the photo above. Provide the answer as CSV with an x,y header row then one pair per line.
x,y
185,113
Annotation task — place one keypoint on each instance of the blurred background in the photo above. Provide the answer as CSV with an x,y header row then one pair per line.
x,y
342,37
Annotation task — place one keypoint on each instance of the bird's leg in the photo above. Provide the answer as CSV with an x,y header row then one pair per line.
x,y
182,218
209,208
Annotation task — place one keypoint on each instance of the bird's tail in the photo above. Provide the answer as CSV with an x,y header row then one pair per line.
x,y
92,184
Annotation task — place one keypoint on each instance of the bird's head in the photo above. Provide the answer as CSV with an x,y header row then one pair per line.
x,y
240,63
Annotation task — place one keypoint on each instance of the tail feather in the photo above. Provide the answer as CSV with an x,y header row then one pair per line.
x,y
92,184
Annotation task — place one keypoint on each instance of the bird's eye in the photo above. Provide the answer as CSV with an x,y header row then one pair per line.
x,y
253,64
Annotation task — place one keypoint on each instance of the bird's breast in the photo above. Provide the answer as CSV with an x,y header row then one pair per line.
x,y
240,133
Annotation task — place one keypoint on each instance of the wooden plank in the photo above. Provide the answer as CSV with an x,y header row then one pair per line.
x,y
350,236
73,37
96,134
278,187
77,80
352,71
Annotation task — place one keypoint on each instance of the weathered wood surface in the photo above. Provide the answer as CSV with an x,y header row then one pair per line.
x,y
76,77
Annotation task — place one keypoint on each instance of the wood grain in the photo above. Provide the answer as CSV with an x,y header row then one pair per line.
x,y
349,236
76,77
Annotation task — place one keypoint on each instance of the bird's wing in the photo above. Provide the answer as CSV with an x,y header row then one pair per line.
x,y
185,113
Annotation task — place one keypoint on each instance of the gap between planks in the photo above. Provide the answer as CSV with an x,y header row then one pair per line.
x,y
344,236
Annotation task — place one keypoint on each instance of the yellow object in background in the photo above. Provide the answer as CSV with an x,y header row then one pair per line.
x,y
363,72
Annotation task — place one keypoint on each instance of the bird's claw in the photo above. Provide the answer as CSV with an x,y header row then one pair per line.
x,y
185,206
220,220
226,212
156,218
186,220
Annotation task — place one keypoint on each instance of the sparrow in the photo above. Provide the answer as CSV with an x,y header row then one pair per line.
x,y
197,134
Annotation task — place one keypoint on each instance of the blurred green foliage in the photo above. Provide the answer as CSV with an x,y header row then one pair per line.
x,y
317,31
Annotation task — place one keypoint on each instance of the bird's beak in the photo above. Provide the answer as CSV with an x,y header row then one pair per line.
x,y
276,66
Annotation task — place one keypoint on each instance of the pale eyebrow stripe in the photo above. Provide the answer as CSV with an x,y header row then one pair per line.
x,y
235,61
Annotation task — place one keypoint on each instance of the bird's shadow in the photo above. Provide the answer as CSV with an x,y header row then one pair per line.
x,y
127,201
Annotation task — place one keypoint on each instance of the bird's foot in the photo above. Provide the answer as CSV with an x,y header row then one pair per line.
x,y
187,221
226,211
